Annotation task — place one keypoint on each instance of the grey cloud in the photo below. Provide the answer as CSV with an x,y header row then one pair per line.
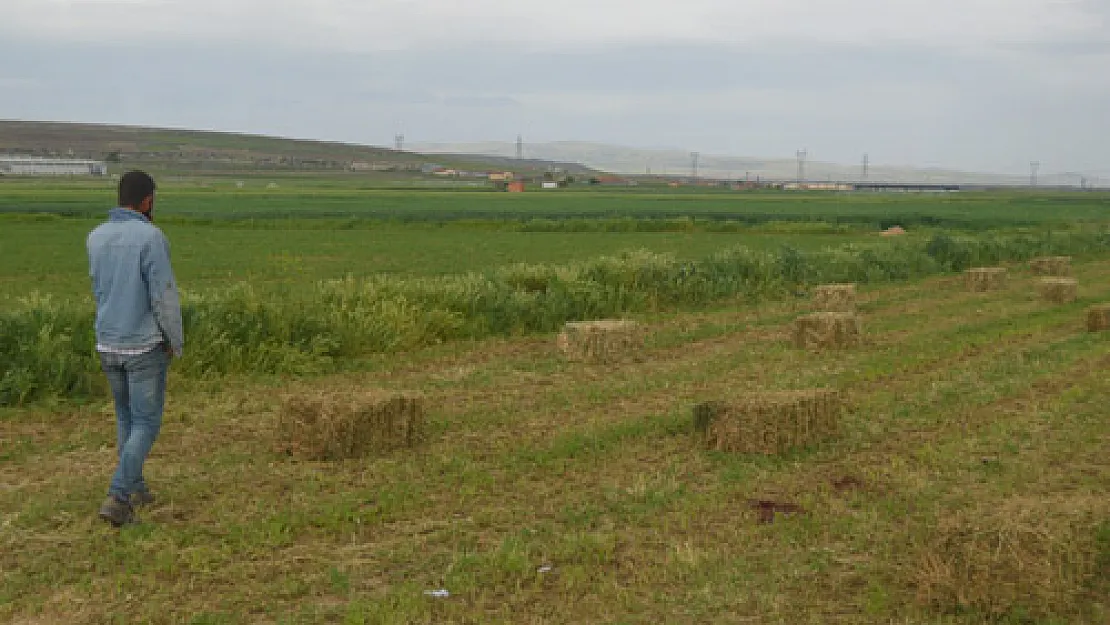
x,y
907,105
480,102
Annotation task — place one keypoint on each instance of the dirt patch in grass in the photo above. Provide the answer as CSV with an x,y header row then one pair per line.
x,y
768,509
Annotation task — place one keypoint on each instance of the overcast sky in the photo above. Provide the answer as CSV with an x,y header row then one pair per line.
x,y
976,84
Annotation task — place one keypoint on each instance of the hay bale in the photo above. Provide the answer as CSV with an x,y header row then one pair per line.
x,y
834,298
1098,318
983,279
1030,554
338,425
1059,290
600,341
827,329
769,423
1051,266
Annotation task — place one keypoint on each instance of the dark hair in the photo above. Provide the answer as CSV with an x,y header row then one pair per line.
x,y
134,187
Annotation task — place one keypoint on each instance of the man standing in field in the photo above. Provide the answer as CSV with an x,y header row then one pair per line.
x,y
138,330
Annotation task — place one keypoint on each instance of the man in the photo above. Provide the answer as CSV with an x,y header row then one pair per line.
x,y
138,330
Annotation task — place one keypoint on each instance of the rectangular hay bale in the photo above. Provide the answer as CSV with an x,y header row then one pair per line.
x,y
1098,318
834,298
337,425
827,330
1039,554
769,423
600,341
1059,290
983,279
1051,265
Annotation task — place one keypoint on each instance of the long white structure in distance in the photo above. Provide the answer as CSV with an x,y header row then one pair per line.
x,y
35,166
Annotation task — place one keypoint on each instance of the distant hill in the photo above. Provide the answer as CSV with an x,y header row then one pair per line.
x,y
188,151
677,163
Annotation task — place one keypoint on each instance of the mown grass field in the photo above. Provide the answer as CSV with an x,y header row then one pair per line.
x,y
554,492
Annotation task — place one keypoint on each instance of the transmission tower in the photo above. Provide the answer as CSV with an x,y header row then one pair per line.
x,y
399,142
1034,168
694,156
866,163
519,148
802,166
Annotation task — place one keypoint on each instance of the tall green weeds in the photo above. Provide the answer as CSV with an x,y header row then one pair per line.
x,y
46,347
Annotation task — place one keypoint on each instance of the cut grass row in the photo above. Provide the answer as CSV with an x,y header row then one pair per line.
x,y
639,524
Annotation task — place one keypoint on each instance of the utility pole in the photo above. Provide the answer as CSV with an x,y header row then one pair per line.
x,y
801,166
1034,167
694,156
399,142
519,148
866,163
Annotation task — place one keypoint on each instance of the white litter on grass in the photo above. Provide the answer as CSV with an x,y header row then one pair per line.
x,y
547,568
438,594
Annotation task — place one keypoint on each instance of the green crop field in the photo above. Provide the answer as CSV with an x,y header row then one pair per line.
x,y
967,482
48,256
342,198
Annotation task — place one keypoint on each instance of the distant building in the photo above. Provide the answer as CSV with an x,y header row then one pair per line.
x,y
818,186
35,166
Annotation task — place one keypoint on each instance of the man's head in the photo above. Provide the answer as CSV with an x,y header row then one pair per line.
x,y
136,191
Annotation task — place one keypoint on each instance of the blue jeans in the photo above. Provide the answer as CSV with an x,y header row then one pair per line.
x,y
139,390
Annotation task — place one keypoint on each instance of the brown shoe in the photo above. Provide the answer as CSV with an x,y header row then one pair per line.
x,y
116,512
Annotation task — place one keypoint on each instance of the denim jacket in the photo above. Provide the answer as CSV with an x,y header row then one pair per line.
x,y
137,305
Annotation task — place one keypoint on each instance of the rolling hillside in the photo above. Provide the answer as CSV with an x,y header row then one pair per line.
x,y
187,151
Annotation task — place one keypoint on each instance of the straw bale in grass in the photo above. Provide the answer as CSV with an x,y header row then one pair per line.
x,y
827,329
986,279
600,341
834,298
1033,555
1051,265
1059,290
339,425
769,423
1098,318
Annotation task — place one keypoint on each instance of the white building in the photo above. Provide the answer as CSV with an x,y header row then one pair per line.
x,y
35,166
